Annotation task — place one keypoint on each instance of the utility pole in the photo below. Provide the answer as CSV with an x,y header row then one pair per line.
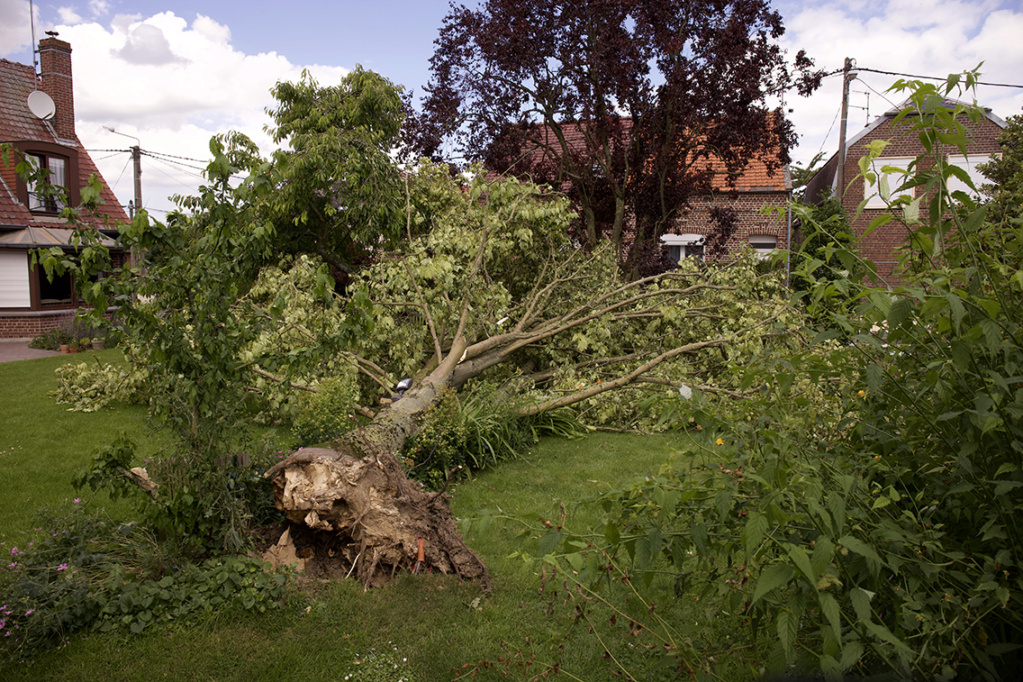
x,y
848,75
136,155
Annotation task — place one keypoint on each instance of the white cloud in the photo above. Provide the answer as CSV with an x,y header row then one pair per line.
x,y
173,86
68,15
917,37
15,26
99,8
146,44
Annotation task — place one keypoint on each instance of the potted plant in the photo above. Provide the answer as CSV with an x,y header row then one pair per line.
x,y
97,343
65,348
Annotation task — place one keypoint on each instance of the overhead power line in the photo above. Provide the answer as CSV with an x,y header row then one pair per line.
x,y
933,78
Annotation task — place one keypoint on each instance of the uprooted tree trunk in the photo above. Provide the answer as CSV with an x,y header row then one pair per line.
x,y
365,516
352,509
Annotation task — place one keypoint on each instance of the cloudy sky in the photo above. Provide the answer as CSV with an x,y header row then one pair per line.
x,y
174,73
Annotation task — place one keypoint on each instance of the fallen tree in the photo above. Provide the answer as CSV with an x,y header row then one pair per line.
x,y
485,287
478,320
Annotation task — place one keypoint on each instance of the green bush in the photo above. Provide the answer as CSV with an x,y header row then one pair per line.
x,y
326,415
68,332
867,525
470,430
86,572
201,505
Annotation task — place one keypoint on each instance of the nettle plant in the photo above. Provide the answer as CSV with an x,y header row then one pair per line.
x,y
863,519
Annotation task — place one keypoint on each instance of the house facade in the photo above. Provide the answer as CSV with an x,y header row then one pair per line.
x,y
755,191
37,123
881,245
696,231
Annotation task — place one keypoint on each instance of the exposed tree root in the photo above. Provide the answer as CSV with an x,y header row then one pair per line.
x,y
362,516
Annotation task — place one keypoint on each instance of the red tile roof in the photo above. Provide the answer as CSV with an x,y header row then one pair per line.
x,y
754,178
18,124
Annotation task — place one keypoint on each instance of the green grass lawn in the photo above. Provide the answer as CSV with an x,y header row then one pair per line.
x,y
323,628
42,444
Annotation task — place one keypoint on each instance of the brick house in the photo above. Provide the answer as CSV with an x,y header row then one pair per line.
x,y
881,245
755,189
760,184
42,132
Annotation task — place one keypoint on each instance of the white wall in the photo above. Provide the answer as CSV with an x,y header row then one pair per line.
x,y
14,289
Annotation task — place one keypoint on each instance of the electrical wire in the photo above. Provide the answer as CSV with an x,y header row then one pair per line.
x,y
879,94
120,175
164,158
935,78
172,156
838,112
174,178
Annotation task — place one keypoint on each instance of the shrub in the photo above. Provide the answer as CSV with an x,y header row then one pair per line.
x,y
85,571
325,415
867,527
475,429
69,332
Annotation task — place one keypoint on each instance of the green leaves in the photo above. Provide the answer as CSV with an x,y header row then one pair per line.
x,y
771,578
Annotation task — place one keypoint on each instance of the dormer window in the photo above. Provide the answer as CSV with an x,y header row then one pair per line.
x,y
46,191
53,184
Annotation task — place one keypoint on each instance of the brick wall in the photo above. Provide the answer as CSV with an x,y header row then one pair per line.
x,y
749,214
26,326
880,245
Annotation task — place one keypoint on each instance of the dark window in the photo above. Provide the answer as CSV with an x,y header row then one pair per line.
x,y
58,292
677,252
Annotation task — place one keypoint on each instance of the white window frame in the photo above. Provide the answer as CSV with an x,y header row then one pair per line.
x,y
57,177
684,245
758,242
969,164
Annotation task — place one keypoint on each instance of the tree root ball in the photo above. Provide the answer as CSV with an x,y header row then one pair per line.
x,y
362,517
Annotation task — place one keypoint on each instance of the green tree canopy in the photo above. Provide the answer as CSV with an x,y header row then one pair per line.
x,y
338,193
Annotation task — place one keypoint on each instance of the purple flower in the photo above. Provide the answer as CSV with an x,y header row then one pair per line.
x,y
78,500
14,551
30,612
62,567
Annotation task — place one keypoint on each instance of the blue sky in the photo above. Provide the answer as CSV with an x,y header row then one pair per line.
x,y
174,73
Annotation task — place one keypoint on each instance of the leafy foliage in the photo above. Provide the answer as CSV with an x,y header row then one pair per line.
x,y
86,572
68,332
474,429
338,193
862,521
618,103
327,414
88,387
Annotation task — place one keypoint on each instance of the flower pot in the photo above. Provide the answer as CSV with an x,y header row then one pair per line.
x,y
97,344
64,348
73,349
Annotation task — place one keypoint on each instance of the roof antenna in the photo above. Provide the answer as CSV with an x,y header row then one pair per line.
x,y
35,48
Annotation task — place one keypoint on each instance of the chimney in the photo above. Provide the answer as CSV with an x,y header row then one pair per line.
x,y
56,81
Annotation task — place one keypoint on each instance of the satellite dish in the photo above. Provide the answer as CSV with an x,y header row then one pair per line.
x,y
41,105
